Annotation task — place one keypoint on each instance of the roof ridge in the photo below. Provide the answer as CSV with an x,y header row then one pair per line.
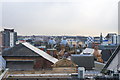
x,y
40,52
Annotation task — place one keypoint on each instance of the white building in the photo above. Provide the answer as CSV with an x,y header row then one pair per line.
x,y
112,38
118,39
64,41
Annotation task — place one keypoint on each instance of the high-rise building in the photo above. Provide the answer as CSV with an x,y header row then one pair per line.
x,y
9,38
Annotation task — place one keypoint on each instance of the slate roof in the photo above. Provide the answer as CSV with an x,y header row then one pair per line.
x,y
26,49
19,50
111,58
106,54
2,63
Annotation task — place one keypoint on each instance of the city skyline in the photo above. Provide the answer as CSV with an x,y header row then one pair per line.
x,y
87,18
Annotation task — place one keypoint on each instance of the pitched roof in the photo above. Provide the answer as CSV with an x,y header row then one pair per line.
x,y
2,63
26,49
111,58
19,50
41,53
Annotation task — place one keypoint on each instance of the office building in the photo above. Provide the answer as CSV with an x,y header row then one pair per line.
x,y
9,38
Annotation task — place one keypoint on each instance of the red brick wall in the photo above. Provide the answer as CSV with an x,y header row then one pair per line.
x,y
42,63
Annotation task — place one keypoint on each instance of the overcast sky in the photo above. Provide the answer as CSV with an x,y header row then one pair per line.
x,y
66,17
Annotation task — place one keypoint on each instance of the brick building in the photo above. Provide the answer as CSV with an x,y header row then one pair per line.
x,y
24,56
